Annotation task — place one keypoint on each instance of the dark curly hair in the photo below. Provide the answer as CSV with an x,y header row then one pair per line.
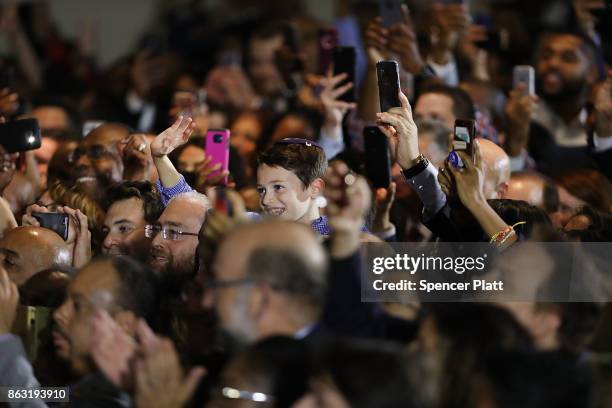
x,y
144,190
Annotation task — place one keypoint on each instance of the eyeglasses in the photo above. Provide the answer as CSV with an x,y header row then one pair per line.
x,y
233,393
169,233
94,152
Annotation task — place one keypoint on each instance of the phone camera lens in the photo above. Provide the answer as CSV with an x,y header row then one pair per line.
x,y
218,138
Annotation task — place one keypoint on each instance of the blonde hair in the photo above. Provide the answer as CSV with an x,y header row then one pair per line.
x,y
78,200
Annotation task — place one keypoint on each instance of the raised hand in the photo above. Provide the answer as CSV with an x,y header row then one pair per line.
x,y
402,41
399,127
376,41
81,254
173,137
160,379
383,198
136,157
112,350
519,109
334,108
469,180
9,296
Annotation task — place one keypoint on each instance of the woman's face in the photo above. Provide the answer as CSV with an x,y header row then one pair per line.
x,y
246,132
190,158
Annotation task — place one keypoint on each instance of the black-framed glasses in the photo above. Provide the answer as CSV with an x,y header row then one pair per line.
x,y
94,152
169,233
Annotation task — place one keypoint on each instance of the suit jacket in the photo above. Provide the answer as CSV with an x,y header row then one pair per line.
x,y
552,159
16,371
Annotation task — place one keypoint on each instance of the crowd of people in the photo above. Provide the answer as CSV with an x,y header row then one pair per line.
x,y
180,283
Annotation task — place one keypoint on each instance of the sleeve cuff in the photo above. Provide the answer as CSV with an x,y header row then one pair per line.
x,y
426,186
167,193
601,144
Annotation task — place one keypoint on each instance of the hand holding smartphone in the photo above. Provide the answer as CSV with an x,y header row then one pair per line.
x,y
463,140
524,75
57,222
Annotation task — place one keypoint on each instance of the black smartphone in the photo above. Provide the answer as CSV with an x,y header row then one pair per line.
x,y
377,157
463,137
54,221
20,135
344,63
388,84
391,12
328,41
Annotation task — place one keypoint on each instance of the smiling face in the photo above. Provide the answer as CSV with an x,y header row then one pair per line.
x,y
282,194
124,229
563,68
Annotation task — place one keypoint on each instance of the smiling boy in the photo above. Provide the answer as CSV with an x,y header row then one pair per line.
x,y
289,181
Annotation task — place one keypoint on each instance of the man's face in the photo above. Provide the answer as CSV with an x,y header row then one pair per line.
x,y
98,159
124,229
177,257
282,194
24,251
435,106
264,73
568,206
563,68
94,287
231,302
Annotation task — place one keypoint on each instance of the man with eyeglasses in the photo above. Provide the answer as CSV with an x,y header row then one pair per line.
x,y
175,239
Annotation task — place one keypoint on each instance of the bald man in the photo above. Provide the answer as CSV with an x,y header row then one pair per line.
x,y
98,159
496,165
26,251
265,283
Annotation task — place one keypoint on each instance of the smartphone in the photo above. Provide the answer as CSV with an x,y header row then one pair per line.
x,y
391,12
388,84
54,221
524,74
344,62
328,41
377,158
217,147
20,135
463,138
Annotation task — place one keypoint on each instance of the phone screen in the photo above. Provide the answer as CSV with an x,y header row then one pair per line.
x,y
344,63
388,84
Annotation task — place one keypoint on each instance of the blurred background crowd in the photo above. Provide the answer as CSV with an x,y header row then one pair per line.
x,y
178,280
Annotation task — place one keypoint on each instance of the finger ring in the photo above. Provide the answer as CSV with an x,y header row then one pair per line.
x,y
349,179
142,147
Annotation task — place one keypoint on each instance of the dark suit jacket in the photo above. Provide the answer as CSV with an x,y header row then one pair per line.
x,y
552,159
345,314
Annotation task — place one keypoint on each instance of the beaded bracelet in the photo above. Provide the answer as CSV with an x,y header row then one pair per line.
x,y
501,236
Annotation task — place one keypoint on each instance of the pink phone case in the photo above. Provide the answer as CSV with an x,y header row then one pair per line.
x,y
217,147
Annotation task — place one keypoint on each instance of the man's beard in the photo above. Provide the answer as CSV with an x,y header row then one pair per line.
x,y
175,275
570,90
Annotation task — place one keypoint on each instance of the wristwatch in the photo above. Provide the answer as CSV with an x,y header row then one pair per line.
x,y
413,171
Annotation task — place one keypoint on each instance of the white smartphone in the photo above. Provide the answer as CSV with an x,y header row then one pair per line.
x,y
524,74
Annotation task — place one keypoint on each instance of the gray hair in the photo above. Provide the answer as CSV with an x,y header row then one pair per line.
x,y
193,196
287,271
